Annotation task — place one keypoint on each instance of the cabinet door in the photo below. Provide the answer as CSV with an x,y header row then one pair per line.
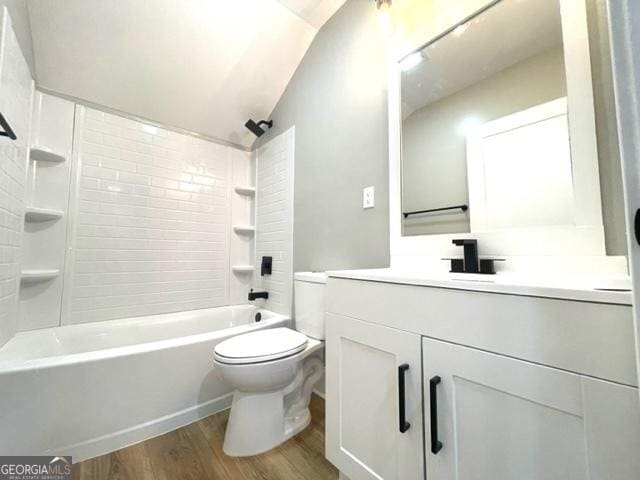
x,y
501,418
365,397
612,417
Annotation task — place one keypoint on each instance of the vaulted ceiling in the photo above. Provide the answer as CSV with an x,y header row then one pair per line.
x,y
200,65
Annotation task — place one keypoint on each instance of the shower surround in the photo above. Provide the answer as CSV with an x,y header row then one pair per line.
x,y
150,220
146,223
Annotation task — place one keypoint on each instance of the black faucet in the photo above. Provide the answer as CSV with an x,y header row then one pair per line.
x,y
471,263
254,295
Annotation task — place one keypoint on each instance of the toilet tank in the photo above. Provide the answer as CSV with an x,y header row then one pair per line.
x,y
309,294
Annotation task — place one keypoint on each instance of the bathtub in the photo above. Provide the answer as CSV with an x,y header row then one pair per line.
x,y
85,390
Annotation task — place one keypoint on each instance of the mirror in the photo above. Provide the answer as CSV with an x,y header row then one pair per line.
x,y
485,129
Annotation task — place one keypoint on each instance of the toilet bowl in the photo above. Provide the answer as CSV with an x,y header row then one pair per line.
x,y
273,373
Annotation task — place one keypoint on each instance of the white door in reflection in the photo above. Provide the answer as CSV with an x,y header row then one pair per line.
x,y
519,170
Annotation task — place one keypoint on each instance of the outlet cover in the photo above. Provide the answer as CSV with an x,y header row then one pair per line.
x,y
368,197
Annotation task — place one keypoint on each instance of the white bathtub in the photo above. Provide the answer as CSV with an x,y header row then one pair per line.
x,y
89,389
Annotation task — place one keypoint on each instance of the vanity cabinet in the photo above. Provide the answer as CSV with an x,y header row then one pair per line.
x,y
373,374
491,416
526,388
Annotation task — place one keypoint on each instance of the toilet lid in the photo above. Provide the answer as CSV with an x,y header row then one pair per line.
x,y
260,346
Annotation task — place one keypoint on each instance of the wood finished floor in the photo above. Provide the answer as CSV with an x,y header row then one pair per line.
x,y
195,452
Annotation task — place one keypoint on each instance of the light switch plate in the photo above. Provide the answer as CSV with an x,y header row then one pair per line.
x,y
368,197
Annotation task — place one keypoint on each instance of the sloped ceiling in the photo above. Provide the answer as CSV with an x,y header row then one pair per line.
x,y
200,65
20,20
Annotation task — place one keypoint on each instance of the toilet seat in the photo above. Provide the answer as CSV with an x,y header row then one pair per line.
x,y
260,346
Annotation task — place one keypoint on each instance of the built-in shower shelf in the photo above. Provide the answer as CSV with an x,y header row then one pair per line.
x,y
45,154
242,268
245,190
34,214
244,229
37,275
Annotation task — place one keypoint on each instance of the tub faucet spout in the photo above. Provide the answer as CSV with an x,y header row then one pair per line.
x,y
255,295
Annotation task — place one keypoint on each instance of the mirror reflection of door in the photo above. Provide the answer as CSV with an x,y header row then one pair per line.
x,y
519,168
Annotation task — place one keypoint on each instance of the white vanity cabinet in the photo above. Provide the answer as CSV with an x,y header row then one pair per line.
x,y
373,373
527,388
489,416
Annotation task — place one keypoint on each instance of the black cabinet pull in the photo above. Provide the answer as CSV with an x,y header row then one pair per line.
x,y
7,130
436,445
636,225
403,424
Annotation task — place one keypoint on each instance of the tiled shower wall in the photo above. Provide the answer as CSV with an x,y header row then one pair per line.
x,y
16,91
150,228
274,219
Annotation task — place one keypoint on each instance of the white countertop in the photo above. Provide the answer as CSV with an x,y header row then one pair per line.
x,y
600,289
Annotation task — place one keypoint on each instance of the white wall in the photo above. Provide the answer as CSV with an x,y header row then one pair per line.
x,y
150,223
16,91
337,100
274,220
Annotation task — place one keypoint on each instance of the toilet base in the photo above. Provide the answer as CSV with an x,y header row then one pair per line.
x,y
293,426
260,421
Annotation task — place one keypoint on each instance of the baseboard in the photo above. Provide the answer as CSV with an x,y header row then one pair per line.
x,y
144,431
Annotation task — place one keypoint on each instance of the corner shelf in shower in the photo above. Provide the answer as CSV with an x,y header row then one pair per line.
x,y
35,214
32,276
45,154
245,190
242,268
244,229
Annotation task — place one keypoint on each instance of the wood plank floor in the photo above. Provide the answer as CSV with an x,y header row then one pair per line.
x,y
195,452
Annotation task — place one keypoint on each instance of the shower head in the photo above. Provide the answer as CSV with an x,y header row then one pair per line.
x,y
255,128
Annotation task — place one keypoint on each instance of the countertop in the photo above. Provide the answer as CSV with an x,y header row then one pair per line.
x,y
586,288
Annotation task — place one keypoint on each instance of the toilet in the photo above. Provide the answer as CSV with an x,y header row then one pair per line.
x,y
273,374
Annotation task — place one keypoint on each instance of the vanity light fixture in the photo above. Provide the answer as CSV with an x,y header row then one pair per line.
x,y
382,3
411,61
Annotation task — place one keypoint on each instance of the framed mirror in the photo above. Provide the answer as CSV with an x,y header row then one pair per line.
x,y
492,135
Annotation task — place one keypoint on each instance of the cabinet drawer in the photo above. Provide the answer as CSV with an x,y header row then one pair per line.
x,y
588,338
